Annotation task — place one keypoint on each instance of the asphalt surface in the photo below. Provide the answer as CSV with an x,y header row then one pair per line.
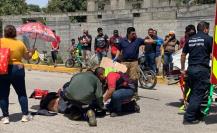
x,y
159,108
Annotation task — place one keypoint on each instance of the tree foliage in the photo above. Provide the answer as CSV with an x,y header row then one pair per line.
x,y
34,8
13,7
59,6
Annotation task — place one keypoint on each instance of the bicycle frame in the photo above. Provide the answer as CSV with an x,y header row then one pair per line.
x,y
210,100
140,70
40,56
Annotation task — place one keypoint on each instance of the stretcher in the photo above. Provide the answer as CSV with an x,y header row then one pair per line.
x,y
186,91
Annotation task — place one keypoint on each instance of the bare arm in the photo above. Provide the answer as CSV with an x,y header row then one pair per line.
x,y
149,40
162,50
28,54
117,54
142,47
108,94
183,58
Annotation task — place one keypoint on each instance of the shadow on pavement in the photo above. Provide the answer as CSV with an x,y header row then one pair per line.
x,y
15,117
153,89
35,107
149,98
174,104
211,119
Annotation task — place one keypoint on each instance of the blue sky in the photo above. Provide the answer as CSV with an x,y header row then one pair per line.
x,y
41,3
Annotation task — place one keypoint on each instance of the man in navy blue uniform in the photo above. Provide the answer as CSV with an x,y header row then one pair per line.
x,y
199,48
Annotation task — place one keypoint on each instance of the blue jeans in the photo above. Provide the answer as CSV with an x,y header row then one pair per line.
x,y
150,60
198,79
101,54
118,97
16,77
168,63
168,58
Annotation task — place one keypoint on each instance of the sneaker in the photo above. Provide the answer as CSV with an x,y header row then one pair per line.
x,y
91,118
113,114
181,110
5,120
26,118
137,108
185,122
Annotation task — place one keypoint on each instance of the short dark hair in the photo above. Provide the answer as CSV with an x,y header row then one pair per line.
x,y
10,31
54,31
73,40
130,29
202,26
47,99
99,70
189,28
150,29
99,29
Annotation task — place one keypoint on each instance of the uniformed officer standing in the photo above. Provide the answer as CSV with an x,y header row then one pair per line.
x,y
199,48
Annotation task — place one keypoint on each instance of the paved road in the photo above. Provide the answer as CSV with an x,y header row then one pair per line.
x,y
158,113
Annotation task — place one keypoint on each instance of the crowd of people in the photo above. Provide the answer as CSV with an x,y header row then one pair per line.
x,y
156,50
116,91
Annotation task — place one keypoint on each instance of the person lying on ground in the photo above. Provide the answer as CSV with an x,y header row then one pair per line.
x,y
79,98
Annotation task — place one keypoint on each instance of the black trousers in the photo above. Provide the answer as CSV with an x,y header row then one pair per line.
x,y
198,79
54,56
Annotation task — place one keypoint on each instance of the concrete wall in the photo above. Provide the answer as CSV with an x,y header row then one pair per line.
x,y
163,19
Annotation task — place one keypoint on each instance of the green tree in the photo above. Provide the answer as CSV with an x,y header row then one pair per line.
x,y
59,6
13,7
34,8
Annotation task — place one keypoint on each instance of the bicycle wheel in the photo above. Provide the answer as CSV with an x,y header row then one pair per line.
x,y
34,61
147,79
92,61
48,60
69,63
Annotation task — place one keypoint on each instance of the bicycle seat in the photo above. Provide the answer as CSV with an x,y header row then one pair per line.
x,y
44,52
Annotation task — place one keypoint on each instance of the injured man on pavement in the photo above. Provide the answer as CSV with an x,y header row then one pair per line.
x,y
82,98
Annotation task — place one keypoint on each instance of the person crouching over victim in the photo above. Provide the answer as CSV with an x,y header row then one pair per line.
x,y
120,89
79,98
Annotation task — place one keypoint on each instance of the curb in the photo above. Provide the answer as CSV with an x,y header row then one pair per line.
x,y
46,68
61,69
161,80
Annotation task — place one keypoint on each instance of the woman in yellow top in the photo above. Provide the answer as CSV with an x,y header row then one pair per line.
x,y
16,74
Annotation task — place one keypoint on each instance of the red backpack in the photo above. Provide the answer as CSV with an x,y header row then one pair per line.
x,y
39,93
125,82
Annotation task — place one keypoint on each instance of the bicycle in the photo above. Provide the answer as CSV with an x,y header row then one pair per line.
x,y
147,79
37,58
76,60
